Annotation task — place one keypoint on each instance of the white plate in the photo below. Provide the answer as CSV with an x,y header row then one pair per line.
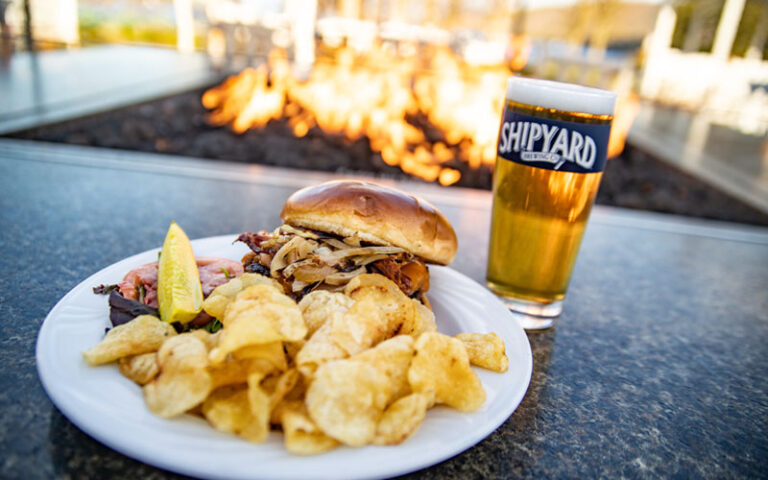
x,y
110,408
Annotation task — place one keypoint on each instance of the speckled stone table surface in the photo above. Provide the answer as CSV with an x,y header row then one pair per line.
x,y
657,368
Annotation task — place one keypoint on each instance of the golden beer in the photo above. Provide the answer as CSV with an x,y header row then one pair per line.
x,y
548,168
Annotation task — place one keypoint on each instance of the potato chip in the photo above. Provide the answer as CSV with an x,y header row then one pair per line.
x,y
374,317
365,324
401,419
215,305
282,407
320,306
277,303
228,409
369,280
184,381
258,315
247,331
220,297
273,304
485,350
319,349
209,339
395,312
259,404
236,371
441,368
271,352
142,369
424,321
278,388
143,334
269,382
298,391
379,311
182,352
302,436
292,349
285,383
393,358
346,399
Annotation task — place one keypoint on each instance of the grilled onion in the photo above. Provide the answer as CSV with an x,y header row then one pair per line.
x,y
334,257
312,273
341,278
301,233
296,249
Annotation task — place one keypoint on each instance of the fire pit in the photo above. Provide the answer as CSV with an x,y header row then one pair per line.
x,y
376,114
426,114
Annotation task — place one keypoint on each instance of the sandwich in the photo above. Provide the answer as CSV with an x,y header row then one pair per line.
x,y
337,230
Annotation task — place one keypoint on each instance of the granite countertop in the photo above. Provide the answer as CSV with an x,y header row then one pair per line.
x,y
657,368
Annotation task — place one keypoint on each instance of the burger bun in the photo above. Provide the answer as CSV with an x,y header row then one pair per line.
x,y
375,214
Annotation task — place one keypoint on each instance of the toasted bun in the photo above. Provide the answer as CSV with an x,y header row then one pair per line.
x,y
377,214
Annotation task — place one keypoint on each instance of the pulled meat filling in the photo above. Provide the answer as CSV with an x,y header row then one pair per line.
x,y
410,276
304,260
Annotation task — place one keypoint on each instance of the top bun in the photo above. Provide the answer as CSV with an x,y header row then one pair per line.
x,y
376,214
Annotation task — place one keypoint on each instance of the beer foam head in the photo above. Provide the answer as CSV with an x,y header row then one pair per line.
x,y
560,96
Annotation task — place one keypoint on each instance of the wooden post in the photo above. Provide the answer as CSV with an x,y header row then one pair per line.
x,y
726,28
53,20
303,15
185,25
658,48
67,22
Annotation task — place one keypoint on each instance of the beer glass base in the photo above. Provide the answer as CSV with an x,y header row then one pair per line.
x,y
534,315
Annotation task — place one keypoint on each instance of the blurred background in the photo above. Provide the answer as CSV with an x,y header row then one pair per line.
x,y
401,88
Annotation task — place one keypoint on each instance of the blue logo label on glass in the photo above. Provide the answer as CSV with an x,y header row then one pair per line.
x,y
553,144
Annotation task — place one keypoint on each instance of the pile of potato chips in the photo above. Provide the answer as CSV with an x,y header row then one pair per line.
x,y
356,367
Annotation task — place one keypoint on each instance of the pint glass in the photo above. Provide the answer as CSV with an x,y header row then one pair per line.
x,y
552,148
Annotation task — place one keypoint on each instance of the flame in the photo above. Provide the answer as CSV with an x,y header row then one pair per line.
x,y
521,46
421,113
627,108
252,98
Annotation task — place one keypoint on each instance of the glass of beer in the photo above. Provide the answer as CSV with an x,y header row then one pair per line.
x,y
552,149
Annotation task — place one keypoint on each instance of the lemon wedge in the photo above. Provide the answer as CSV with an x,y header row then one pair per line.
x,y
179,294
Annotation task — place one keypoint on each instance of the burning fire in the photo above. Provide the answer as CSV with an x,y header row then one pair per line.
x,y
625,112
419,113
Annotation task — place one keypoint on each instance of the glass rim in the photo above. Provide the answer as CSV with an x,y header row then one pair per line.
x,y
560,95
